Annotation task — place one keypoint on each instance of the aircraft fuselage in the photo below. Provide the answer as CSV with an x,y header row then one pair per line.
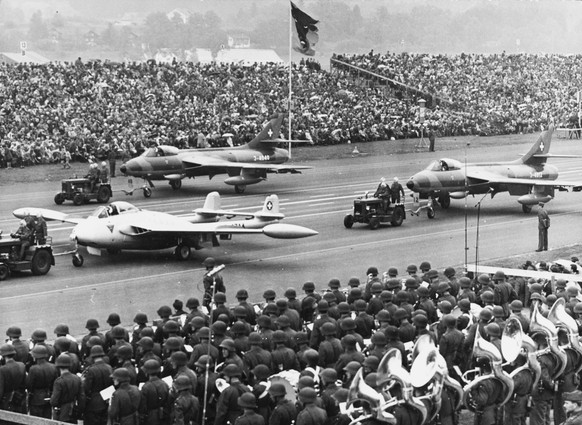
x,y
159,168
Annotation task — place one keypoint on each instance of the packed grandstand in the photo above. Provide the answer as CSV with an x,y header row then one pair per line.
x,y
88,107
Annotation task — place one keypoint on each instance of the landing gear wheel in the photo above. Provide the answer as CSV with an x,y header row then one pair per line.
x,y
182,252
526,208
374,223
4,272
147,192
240,188
445,200
176,184
78,260
103,194
59,198
397,217
348,221
430,213
41,263
78,199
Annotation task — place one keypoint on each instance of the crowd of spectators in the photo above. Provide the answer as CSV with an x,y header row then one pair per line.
x,y
88,108
486,94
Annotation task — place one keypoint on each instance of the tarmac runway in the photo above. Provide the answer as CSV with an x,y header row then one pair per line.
x,y
132,282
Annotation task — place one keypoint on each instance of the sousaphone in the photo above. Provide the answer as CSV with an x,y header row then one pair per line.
x,y
562,320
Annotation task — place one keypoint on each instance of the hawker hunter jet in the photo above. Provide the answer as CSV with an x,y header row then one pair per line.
x,y
247,164
528,177
121,225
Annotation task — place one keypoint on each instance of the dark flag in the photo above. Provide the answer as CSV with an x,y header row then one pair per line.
x,y
306,30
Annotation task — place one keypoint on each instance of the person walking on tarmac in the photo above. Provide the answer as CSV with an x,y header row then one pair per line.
x,y
396,190
383,193
212,284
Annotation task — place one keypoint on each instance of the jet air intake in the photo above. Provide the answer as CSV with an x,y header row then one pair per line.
x,y
533,199
458,195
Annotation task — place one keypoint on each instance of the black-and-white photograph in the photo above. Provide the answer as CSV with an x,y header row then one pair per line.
x,y
274,212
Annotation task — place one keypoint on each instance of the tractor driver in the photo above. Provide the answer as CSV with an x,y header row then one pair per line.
x,y
93,176
383,192
25,234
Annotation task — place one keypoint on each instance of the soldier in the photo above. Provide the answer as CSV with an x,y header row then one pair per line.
x,y
396,190
504,292
125,401
153,408
328,388
206,390
22,349
543,395
451,344
573,407
292,300
186,408
484,396
92,325
230,356
260,385
12,381
248,403
97,378
334,287
26,236
309,302
103,173
67,398
310,414
212,284
284,412
40,228
283,357
179,361
516,409
227,407
41,378
543,226
251,316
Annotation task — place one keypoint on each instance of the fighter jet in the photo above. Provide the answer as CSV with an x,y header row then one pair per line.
x,y
123,226
528,177
247,164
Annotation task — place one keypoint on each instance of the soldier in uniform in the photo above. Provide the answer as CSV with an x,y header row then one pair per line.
x,y
96,378
330,348
282,357
12,381
227,407
206,390
22,349
543,395
212,284
41,378
67,399
153,408
451,344
284,412
186,408
248,403
125,401
573,407
310,414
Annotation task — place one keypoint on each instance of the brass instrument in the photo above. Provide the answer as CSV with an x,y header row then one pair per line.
x,y
562,320
515,342
483,348
379,403
539,324
429,372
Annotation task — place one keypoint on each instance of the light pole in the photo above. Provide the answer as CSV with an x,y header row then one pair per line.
x,y
466,211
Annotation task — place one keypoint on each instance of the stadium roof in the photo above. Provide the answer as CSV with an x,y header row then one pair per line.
x,y
247,56
29,57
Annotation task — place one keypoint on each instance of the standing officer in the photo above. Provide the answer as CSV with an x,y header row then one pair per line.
x,y
186,409
124,403
154,396
212,284
248,402
111,157
396,190
12,381
227,407
67,393
543,225
41,378
284,412
97,378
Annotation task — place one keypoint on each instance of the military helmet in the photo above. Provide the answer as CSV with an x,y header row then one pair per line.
x,y
152,366
61,329
7,350
124,352
261,371
40,352
231,370
113,319
140,318
14,332
192,303
277,389
247,401
92,324
118,332
64,360
182,382
307,395
228,344
209,262
39,335
121,374
97,351
203,360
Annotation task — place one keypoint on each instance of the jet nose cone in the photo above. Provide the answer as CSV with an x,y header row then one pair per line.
x,y
123,168
410,183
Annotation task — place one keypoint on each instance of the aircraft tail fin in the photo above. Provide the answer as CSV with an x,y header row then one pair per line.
x,y
270,209
212,202
538,153
271,131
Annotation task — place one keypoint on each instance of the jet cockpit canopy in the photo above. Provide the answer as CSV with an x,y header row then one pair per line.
x,y
115,208
444,164
162,150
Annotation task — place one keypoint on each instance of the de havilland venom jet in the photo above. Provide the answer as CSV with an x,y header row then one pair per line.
x,y
123,226
247,164
528,177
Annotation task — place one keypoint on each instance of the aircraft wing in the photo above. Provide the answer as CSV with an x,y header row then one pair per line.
x,y
47,215
482,176
210,161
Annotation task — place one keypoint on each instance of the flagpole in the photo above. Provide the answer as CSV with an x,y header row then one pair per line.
x,y
290,50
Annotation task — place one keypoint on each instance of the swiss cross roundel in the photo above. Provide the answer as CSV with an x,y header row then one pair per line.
x,y
269,205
